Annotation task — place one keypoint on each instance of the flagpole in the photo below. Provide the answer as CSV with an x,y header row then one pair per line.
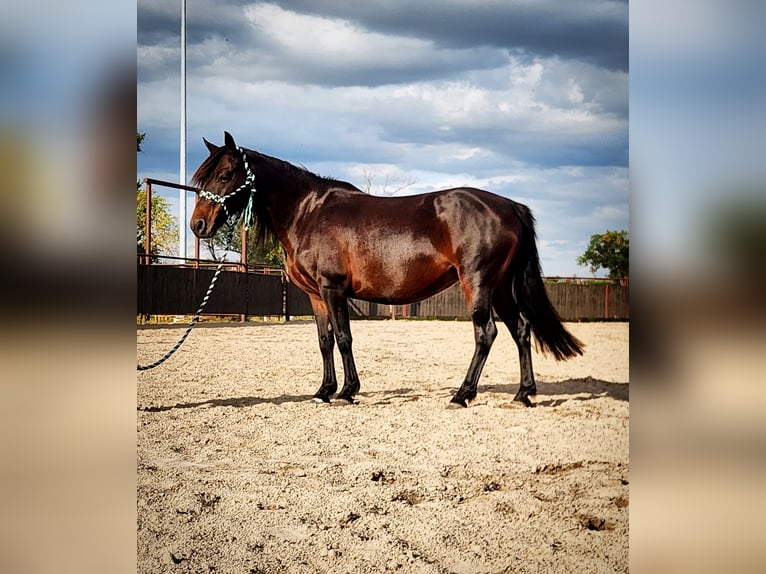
x,y
182,171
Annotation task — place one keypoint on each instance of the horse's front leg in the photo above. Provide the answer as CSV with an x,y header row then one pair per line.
x,y
326,346
337,305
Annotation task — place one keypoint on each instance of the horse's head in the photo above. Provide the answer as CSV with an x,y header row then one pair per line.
x,y
222,178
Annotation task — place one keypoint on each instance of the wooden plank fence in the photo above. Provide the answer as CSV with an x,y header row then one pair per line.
x,y
170,290
574,302
179,290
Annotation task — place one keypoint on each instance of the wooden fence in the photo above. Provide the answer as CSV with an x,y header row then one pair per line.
x,y
574,302
170,290
166,290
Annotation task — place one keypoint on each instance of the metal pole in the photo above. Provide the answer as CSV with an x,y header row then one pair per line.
x,y
182,174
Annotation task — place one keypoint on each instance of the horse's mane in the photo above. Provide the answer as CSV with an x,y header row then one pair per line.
x,y
263,228
301,172
207,167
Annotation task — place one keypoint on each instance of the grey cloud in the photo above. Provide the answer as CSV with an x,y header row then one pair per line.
x,y
294,69
594,31
220,40
159,21
475,34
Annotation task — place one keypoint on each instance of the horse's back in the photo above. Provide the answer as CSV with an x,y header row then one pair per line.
x,y
452,206
404,249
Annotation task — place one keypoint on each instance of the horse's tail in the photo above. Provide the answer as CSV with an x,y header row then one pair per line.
x,y
529,293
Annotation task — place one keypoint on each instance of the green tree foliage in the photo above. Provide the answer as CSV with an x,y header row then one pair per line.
x,y
164,224
608,251
271,254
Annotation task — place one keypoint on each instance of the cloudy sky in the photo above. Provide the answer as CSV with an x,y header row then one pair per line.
x,y
527,99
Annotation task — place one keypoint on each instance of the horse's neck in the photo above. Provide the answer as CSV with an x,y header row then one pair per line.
x,y
287,189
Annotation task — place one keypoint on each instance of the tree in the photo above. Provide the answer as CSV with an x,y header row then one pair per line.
x,y
271,254
164,224
609,251
392,184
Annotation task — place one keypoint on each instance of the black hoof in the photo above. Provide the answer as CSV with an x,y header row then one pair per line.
x,y
463,397
324,393
456,404
347,393
523,395
340,400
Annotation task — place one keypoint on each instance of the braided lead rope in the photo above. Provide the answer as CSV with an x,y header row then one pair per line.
x,y
231,224
197,315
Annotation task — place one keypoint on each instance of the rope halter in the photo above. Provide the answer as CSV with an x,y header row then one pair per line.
x,y
248,183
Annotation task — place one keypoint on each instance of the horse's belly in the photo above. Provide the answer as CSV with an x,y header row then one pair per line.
x,y
403,284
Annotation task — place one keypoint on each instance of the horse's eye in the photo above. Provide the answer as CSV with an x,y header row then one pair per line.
x,y
224,177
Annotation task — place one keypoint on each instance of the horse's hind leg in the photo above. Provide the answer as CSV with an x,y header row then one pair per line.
x,y
484,334
337,306
326,346
520,328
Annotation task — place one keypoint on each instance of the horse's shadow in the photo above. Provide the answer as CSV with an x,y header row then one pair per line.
x,y
237,402
583,389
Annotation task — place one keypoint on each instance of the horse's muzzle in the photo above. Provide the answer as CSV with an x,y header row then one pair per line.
x,y
201,228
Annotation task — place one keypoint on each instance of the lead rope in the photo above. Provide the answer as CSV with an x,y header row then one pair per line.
x,y
247,219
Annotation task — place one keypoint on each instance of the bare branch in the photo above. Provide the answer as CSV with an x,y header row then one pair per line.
x,y
392,184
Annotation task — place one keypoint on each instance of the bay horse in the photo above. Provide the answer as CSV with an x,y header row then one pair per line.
x,y
340,242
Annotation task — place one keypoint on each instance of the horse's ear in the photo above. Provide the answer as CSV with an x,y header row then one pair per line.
x,y
210,147
228,141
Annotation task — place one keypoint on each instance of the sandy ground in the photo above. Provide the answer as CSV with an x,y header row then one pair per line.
x,y
240,472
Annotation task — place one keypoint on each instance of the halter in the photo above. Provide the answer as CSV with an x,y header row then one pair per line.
x,y
248,183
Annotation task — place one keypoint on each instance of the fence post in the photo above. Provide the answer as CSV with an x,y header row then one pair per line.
x,y
243,249
242,267
148,224
285,297
606,301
